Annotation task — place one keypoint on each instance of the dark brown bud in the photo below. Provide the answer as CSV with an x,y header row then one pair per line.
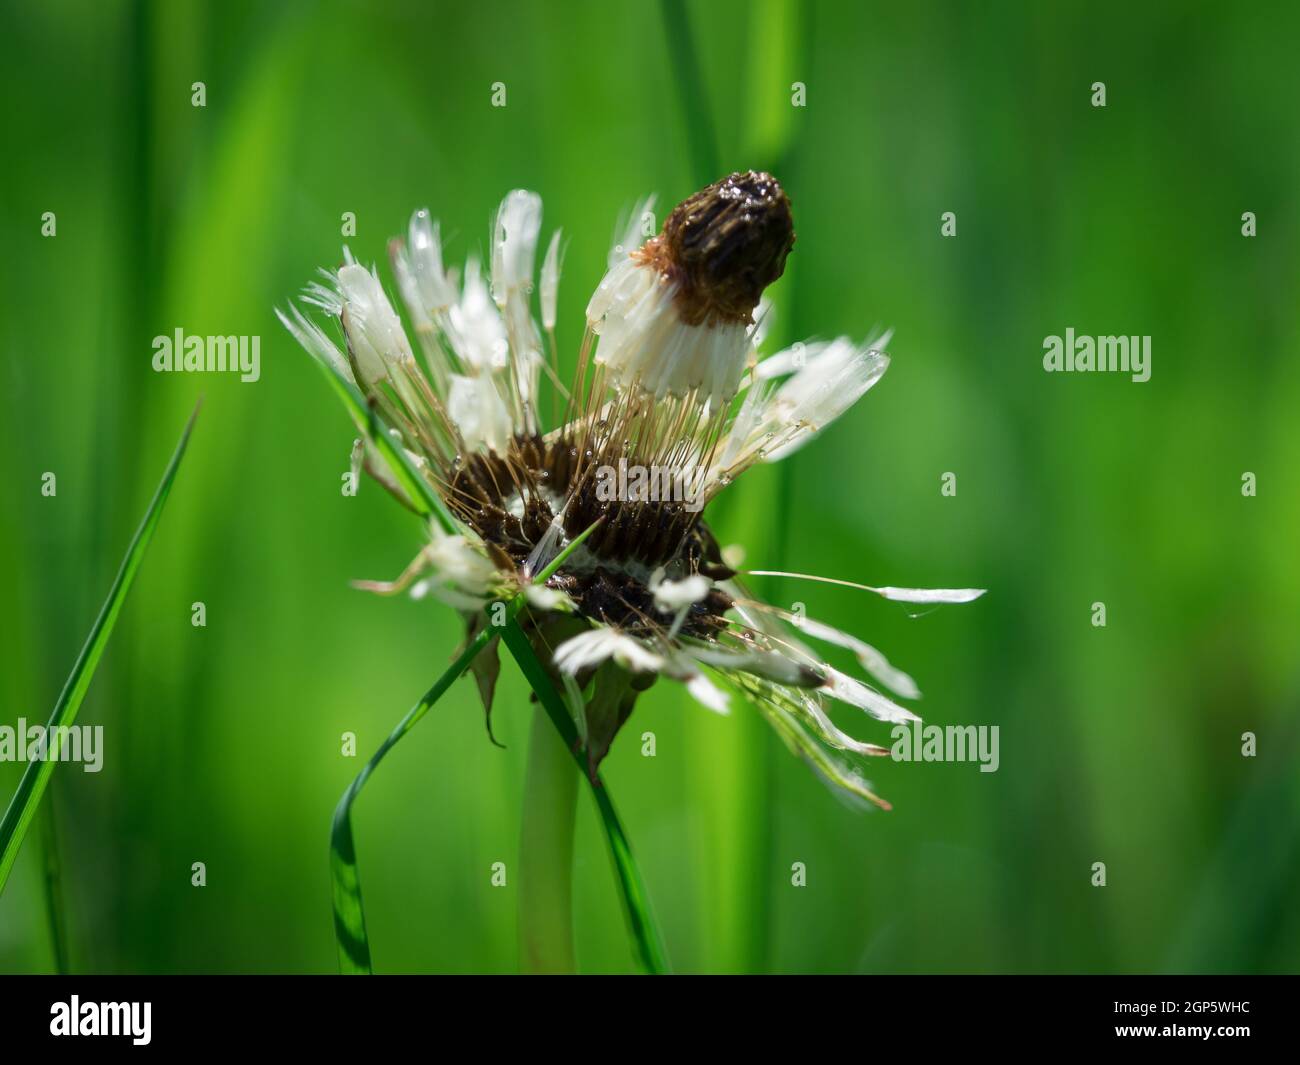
x,y
723,246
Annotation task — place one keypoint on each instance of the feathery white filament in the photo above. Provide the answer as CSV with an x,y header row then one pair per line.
x,y
313,338
671,596
479,412
638,225
645,343
601,644
423,282
374,331
544,598
461,565
550,282
855,693
546,548
931,595
705,692
902,595
868,657
475,326
514,244
827,385
769,664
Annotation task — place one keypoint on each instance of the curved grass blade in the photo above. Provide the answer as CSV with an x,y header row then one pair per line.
x,y
349,917
22,807
349,914
651,956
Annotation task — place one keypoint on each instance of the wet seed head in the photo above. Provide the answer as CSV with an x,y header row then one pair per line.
x,y
724,245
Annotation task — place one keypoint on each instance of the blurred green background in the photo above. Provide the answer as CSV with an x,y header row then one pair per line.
x,y
1119,744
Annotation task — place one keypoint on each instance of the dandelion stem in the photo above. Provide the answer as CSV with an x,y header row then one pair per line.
x,y
546,853
646,938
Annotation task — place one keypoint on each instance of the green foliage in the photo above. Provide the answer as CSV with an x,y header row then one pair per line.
x,y
1120,744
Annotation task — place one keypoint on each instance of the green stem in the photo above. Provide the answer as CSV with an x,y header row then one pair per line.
x,y
546,853
650,954
54,889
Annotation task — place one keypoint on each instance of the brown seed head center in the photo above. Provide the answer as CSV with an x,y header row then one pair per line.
x,y
723,246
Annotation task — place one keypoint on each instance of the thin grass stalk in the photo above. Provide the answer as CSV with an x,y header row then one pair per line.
x,y
784,157
55,910
345,876
31,787
349,916
741,809
691,92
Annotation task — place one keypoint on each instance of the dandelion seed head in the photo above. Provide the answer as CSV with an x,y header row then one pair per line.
x,y
669,385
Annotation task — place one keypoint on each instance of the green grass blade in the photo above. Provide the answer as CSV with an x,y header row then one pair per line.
x,y
349,914
690,92
651,956
775,53
549,571
349,917
54,908
23,806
